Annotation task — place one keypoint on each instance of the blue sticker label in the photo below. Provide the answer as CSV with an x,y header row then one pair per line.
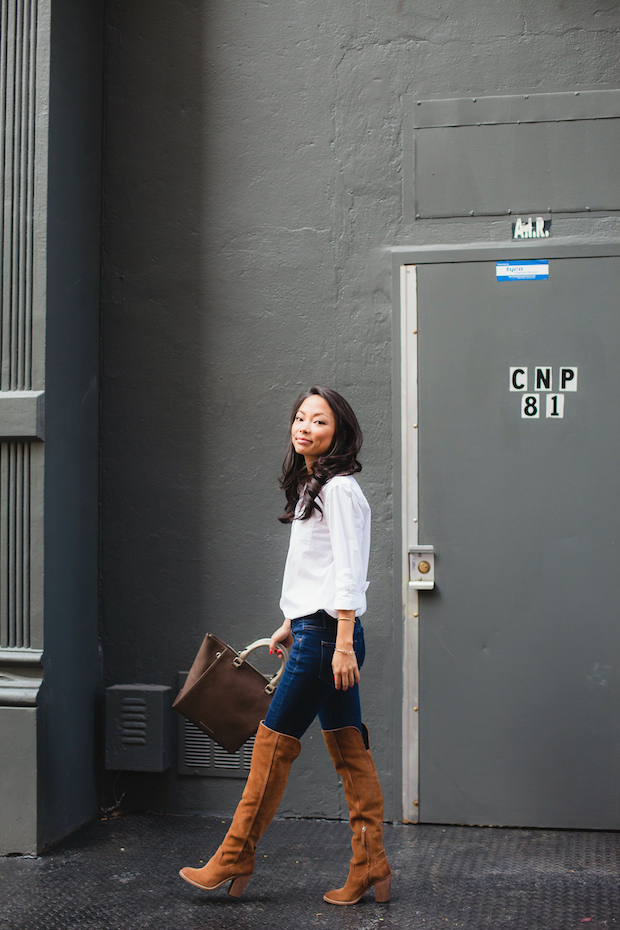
x,y
535,270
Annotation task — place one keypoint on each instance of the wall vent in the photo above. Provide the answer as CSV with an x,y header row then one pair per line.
x,y
200,755
133,721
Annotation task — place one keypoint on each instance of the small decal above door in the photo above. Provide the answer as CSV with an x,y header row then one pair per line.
x,y
538,228
535,270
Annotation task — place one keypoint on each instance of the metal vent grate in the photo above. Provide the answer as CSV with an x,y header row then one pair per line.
x,y
197,747
200,755
133,721
225,760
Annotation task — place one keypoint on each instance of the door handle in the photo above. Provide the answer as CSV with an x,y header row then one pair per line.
x,y
422,567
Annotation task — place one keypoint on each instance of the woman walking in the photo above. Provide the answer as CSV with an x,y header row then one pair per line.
x,y
323,596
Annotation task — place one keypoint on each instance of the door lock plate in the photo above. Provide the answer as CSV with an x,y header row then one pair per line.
x,y
422,567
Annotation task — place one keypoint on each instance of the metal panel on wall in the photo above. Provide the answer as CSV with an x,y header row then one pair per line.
x,y
515,154
518,438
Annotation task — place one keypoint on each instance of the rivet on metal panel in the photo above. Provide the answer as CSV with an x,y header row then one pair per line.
x,y
415,709
415,519
417,216
471,212
587,208
415,332
508,212
416,803
527,97
473,99
416,615
415,425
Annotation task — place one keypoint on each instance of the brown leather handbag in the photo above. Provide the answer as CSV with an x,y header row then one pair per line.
x,y
225,696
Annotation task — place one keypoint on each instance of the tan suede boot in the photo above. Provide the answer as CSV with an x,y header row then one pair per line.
x,y
369,865
272,757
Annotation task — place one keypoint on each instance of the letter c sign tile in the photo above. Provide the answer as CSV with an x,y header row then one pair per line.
x,y
518,379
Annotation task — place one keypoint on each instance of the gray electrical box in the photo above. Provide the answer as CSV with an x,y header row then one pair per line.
x,y
138,728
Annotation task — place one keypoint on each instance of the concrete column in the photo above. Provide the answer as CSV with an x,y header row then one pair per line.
x,y
50,117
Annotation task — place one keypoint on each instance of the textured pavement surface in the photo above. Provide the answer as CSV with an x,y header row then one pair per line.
x,y
122,873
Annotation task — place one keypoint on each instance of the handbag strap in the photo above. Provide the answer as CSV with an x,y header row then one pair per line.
x,y
257,644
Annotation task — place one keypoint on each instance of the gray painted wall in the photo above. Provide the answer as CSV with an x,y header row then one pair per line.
x,y
253,181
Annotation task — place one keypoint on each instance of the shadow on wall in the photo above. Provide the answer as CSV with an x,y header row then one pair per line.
x,y
151,493
223,296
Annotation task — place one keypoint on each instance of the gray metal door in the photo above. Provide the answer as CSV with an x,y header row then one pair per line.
x,y
520,640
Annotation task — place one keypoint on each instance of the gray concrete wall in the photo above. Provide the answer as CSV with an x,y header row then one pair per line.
x,y
18,780
253,180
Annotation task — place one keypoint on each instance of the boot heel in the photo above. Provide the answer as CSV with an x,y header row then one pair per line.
x,y
382,890
237,886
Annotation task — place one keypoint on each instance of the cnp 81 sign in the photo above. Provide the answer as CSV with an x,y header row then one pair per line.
x,y
543,380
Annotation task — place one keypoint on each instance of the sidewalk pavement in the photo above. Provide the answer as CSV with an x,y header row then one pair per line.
x,y
121,874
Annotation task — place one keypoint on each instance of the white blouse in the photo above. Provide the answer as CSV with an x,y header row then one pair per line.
x,y
327,562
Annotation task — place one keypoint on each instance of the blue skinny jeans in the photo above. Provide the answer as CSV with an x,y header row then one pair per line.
x,y
307,685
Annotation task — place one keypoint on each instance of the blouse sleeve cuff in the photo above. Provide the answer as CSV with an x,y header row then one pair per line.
x,y
348,596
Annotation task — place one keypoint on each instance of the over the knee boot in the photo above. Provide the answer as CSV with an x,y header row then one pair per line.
x,y
369,865
233,862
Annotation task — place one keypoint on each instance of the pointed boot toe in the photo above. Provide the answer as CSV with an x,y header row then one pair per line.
x,y
195,877
354,891
209,878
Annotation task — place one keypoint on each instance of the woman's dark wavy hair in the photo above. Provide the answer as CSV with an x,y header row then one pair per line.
x,y
340,459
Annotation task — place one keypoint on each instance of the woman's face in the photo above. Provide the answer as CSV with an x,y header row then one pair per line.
x,y
313,428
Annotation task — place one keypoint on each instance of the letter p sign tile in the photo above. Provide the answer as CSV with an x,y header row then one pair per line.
x,y
568,379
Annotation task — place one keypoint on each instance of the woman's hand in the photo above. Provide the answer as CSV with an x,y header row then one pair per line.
x,y
345,669
282,635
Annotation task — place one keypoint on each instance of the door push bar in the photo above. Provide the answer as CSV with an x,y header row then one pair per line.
x,y
422,568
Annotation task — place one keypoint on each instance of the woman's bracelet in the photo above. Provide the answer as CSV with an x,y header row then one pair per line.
x,y
350,619
345,652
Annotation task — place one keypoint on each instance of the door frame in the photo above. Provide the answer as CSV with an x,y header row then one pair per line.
x,y
405,394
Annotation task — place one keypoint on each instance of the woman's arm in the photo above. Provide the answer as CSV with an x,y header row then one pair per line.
x,y
348,525
345,520
344,663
